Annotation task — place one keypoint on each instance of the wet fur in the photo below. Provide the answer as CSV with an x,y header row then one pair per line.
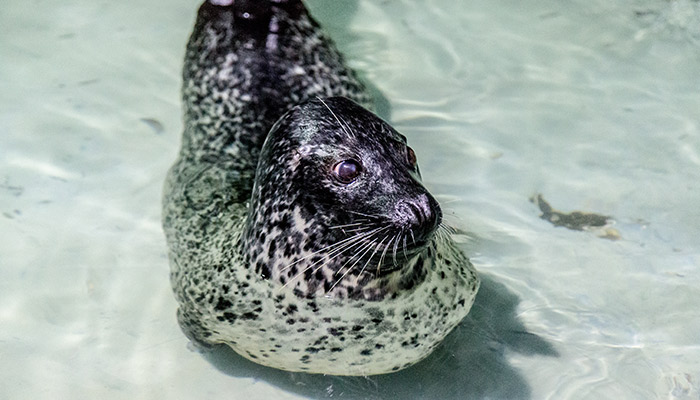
x,y
269,254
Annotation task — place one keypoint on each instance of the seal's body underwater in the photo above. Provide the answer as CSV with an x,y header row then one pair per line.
x,y
299,232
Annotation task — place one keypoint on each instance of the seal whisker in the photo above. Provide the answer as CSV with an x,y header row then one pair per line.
x,y
358,239
376,248
450,231
396,247
450,219
345,243
440,233
447,233
348,269
443,201
447,228
331,255
345,225
363,228
381,259
368,242
374,216
331,246
342,126
365,251
364,240
405,257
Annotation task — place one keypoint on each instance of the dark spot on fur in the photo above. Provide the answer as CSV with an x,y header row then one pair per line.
x,y
319,275
249,316
320,340
288,250
271,249
336,331
230,317
265,272
223,304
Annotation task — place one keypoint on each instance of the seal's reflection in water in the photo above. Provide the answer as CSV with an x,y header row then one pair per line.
x,y
469,364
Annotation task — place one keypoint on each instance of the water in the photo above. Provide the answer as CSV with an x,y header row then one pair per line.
x,y
594,104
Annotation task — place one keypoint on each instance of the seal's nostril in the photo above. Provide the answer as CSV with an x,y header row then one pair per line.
x,y
420,214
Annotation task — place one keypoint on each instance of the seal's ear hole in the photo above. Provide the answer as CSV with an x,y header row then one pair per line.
x,y
411,157
347,171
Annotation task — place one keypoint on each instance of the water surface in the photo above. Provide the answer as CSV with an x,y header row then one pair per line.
x,y
593,104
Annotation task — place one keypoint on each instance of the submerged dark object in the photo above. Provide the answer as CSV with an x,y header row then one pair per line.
x,y
575,220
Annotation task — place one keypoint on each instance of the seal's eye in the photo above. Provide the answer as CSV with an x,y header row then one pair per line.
x,y
411,157
347,170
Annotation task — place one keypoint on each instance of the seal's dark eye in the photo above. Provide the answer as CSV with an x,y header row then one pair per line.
x,y
411,157
347,170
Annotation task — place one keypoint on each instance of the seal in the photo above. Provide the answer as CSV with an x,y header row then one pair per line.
x,y
299,231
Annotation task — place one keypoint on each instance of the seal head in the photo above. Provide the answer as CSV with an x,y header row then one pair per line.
x,y
333,175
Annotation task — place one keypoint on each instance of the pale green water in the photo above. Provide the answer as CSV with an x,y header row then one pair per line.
x,y
594,104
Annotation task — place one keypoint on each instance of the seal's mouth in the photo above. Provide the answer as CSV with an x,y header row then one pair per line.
x,y
391,253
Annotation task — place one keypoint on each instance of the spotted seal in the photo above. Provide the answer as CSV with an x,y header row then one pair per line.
x,y
299,231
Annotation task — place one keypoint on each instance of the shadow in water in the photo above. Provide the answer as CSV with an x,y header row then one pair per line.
x,y
470,363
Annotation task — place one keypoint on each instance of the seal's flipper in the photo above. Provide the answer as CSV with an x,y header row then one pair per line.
x,y
191,327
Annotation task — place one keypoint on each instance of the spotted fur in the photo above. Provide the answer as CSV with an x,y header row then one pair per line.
x,y
270,254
